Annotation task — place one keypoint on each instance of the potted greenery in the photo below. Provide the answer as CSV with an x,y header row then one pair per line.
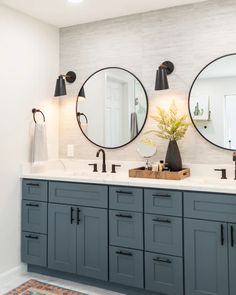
x,y
173,128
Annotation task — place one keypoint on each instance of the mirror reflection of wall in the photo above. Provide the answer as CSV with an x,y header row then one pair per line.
x,y
116,107
212,102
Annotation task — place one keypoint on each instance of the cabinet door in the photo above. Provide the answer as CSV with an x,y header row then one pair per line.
x,y
92,243
206,263
61,238
232,258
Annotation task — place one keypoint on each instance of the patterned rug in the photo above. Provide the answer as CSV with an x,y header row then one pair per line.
x,y
33,287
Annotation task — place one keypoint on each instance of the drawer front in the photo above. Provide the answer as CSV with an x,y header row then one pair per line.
x,y
34,217
78,194
34,249
35,190
164,274
126,229
208,206
126,267
163,234
126,198
163,202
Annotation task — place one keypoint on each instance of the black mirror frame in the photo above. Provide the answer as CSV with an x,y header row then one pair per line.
x,y
77,102
189,97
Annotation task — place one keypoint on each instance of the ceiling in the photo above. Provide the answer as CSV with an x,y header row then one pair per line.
x,y
60,13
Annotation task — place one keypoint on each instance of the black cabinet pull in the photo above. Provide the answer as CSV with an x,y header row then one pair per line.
x,y
222,234
161,196
124,193
124,216
159,259
232,235
78,215
124,253
32,184
32,237
32,205
71,215
161,220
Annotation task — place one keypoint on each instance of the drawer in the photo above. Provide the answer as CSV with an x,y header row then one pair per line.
x,y
164,274
34,217
35,190
163,234
126,267
34,249
78,194
163,202
126,198
126,229
219,207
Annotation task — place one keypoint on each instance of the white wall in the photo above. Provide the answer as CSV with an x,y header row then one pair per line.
x,y
28,68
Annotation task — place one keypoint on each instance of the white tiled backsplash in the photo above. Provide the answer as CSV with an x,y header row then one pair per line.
x,y
190,36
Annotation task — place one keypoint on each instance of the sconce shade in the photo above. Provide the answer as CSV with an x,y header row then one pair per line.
x,y
82,95
60,89
161,79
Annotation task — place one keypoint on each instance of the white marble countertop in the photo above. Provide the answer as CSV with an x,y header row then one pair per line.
x,y
202,179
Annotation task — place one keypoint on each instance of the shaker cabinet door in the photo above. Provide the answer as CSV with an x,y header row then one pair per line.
x,y
232,258
206,262
62,238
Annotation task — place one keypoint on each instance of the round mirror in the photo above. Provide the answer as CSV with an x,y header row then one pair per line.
x,y
112,108
146,148
212,102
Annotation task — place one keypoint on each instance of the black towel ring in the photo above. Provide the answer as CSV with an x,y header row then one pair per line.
x,y
34,111
83,115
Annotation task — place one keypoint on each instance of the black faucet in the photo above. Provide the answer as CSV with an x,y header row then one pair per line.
x,y
223,171
234,159
104,170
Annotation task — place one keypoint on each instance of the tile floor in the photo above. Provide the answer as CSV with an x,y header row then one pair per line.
x,y
13,280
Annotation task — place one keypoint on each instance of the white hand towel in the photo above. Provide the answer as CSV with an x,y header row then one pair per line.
x,y
39,148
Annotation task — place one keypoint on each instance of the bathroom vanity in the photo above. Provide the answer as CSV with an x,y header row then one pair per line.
x,y
156,241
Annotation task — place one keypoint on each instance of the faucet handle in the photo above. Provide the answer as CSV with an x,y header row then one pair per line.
x,y
113,168
223,173
95,167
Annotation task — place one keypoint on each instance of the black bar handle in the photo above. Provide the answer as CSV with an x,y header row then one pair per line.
x,y
32,184
232,235
124,193
78,215
222,234
161,196
124,216
161,220
124,253
159,259
32,237
71,215
32,205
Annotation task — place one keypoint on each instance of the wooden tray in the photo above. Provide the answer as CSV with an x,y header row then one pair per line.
x,y
141,172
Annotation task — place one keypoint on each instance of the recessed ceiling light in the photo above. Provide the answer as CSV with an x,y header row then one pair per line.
x,y
75,1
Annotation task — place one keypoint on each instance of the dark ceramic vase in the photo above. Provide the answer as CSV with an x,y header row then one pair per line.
x,y
173,157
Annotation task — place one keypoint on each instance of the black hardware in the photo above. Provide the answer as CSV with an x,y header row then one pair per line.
x,y
78,215
223,173
222,234
161,196
32,205
234,159
34,111
104,170
60,89
32,184
95,167
113,168
82,115
124,216
124,253
159,259
166,68
232,235
32,237
162,220
124,193
71,215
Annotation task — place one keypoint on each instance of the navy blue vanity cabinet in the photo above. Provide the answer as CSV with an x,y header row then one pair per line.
x,y
34,222
232,257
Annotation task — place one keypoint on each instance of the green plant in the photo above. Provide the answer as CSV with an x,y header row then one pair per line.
x,y
170,125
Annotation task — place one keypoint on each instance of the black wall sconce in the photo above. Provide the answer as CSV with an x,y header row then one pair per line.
x,y
60,89
165,69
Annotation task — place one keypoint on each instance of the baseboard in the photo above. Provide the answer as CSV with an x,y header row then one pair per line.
x,y
22,268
